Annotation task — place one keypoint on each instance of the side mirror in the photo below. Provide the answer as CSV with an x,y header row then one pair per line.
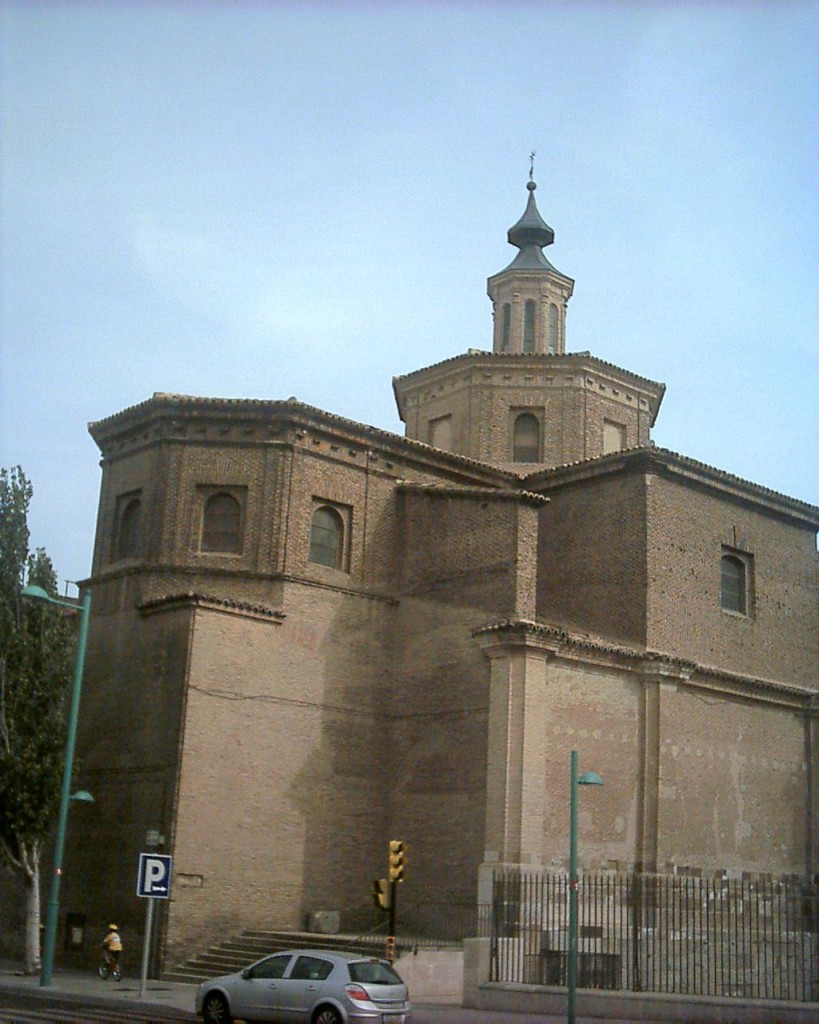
x,y
246,973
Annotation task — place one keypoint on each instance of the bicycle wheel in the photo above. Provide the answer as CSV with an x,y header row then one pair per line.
x,y
103,970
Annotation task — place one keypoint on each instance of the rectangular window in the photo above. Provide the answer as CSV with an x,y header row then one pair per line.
x,y
440,433
526,438
529,325
506,332
736,580
614,437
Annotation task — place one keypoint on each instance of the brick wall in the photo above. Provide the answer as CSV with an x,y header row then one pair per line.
x,y
689,528
571,395
595,713
127,743
466,558
694,779
471,547
282,799
732,785
592,560
633,555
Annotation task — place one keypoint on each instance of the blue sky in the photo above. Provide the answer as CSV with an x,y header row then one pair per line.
x,y
271,199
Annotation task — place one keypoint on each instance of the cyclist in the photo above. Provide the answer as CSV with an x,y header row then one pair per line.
x,y
112,944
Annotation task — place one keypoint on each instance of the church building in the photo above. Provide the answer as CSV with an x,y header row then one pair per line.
x,y
310,636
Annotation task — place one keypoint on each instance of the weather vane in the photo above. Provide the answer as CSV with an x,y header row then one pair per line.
x,y
532,156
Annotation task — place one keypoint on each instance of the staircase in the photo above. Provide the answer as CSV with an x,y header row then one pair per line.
x,y
243,950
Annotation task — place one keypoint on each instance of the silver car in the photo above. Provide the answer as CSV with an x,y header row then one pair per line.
x,y
307,985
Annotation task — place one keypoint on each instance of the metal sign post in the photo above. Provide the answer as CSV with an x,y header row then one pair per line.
x,y
153,882
146,946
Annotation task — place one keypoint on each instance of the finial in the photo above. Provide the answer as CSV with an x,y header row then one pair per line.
x,y
531,183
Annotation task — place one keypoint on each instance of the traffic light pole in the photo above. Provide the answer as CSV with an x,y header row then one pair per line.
x,y
393,898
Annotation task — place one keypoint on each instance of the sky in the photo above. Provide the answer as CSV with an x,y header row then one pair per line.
x,y
266,200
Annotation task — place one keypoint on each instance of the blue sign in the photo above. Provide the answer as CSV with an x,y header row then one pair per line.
x,y
154,875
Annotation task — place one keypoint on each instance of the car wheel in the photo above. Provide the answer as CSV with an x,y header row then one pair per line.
x,y
215,1009
327,1015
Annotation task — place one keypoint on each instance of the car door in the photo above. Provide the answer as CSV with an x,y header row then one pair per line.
x,y
303,985
258,994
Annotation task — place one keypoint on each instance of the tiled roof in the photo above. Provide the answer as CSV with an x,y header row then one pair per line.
x,y
98,428
668,457
484,493
483,354
214,603
531,481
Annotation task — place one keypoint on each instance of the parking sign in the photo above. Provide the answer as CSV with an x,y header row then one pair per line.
x,y
154,875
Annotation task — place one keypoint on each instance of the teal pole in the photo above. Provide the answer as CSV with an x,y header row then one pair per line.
x,y
586,779
572,965
52,912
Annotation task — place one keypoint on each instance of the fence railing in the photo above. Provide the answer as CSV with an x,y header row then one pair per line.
x,y
431,924
654,933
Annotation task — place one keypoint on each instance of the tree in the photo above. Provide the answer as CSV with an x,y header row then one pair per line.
x,y
36,645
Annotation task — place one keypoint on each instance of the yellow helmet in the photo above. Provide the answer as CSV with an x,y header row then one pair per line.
x,y
112,928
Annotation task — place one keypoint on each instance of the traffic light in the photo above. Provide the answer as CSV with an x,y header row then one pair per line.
x,y
396,861
389,952
381,897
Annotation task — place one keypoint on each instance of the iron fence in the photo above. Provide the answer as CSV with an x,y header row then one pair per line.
x,y
431,924
751,938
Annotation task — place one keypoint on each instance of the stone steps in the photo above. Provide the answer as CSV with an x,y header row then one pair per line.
x,y
239,951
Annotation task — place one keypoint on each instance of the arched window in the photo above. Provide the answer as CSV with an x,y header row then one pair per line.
x,y
733,584
529,326
526,438
129,536
327,538
552,329
222,524
506,327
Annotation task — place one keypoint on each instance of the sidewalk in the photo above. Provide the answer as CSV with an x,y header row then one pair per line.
x,y
171,995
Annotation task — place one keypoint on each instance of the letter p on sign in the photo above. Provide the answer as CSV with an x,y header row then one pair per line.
x,y
154,877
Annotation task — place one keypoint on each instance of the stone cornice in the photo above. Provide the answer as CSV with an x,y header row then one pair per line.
x,y
498,360
568,646
166,418
477,493
189,599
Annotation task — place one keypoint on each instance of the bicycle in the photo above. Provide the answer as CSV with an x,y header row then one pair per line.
x,y
111,968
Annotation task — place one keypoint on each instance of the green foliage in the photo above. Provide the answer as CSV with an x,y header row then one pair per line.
x,y
36,649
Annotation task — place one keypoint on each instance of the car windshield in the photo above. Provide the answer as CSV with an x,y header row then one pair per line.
x,y
373,972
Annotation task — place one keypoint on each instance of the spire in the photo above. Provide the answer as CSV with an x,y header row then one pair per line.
x,y
529,296
530,233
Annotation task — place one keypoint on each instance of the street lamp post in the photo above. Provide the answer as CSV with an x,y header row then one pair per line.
x,y
586,779
52,912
